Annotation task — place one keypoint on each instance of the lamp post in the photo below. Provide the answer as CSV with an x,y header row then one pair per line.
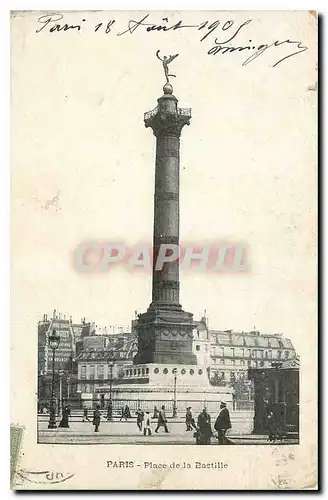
x,y
175,371
61,374
110,381
68,380
53,344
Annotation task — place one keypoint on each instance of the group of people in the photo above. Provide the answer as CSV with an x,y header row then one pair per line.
x,y
143,418
144,421
222,424
203,429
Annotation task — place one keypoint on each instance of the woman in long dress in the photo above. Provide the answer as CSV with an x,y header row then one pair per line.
x,y
65,417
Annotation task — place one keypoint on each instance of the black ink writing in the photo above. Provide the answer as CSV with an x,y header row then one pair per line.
x,y
258,50
52,19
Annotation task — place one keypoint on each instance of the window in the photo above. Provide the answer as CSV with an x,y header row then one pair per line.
x,y
242,353
83,371
261,354
286,354
101,371
279,355
191,371
147,371
197,347
221,351
249,353
92,372
249,364
232,376
242,362
270,354
233,361
222,361
261,363
232,351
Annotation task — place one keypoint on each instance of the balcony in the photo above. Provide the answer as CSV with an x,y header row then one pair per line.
x,y
180,111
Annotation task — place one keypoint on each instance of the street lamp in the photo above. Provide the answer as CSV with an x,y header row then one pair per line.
x,y
53,344
110,381
61,374
175,371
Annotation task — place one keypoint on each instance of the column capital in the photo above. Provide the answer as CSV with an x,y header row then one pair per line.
x,y
167,124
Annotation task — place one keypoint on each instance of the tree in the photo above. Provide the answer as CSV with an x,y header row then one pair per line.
x,y
217,380
240,387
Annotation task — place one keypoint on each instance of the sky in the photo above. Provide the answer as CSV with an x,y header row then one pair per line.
x,y
247,166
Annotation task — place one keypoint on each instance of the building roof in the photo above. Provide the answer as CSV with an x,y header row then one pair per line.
x,y
251,339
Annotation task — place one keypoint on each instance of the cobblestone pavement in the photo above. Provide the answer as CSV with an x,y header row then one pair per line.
x,y
128,433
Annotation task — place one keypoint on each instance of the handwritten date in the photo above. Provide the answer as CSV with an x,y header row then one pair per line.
x,y
226,32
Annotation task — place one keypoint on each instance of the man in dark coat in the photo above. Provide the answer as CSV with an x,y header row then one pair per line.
x,y
110,411
204,431
127,412
222,424
123,414
96,418
140,418
162,422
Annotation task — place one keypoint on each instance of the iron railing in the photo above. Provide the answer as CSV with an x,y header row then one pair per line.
x,y
180,111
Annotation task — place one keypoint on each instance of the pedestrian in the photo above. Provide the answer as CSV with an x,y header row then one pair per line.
x,y
85,415
190,421
140,418
110,411
127,412
272,428
222,424
162,422
96,418
147,427
204,431
65,416
155,415
123,415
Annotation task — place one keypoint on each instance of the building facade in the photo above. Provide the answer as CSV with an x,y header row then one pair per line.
x,y
102,360
88,360
229,354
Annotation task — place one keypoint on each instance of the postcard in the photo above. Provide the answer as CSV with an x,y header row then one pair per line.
x,y
164,250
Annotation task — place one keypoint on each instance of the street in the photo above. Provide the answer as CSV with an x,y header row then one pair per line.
x,y
127,433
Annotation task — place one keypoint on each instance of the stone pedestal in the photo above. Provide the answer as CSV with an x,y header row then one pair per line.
x,y
165,336
148,385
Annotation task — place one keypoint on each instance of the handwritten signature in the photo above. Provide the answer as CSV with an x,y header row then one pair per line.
x,y
229,31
